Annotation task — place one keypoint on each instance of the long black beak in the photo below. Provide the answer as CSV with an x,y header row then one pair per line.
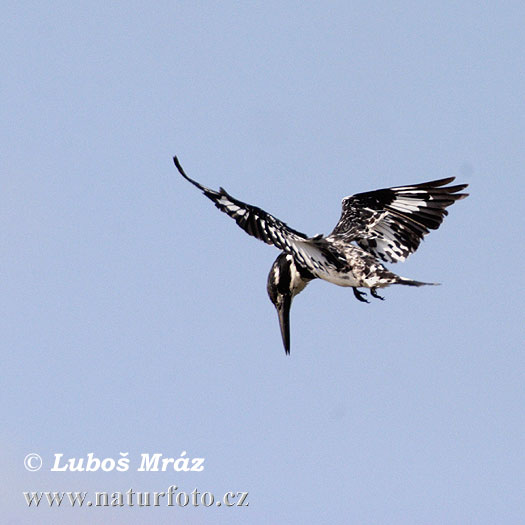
x,y
284,321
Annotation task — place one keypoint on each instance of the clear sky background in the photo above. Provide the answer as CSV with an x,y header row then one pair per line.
x,y
134,315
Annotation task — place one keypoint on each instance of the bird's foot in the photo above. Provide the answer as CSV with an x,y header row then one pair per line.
x,y
374,293
359,295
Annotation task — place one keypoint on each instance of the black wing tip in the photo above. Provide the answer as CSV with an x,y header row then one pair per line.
x,y
442,182
439,183
453,192
183,173
456,188
180,168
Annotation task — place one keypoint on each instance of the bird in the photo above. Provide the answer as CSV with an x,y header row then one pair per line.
x,y
375,227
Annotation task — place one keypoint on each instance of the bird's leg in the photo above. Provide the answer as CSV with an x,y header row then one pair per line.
x,y
374,293
359,295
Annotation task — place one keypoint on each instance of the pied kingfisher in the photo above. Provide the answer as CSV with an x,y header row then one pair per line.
x,y
386,224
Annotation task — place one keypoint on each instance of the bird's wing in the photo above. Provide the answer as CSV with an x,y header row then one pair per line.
x,y
390,223
265,227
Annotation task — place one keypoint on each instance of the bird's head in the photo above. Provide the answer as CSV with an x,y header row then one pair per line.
x,y
285,281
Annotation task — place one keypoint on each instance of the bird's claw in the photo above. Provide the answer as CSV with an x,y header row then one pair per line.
x,y
373,293
359,295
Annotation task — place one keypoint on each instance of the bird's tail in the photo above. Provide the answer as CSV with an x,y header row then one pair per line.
x,y
411,282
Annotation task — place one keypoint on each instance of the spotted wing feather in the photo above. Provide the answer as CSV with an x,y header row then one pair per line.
x,y
310,253
390,223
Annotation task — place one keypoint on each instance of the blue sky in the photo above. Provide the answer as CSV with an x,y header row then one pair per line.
x,y
135,316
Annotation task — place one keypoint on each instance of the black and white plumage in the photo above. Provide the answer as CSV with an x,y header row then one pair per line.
x,y
385,225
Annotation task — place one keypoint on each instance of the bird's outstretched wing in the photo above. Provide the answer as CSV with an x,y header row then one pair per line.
x,y
265,227
390,223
